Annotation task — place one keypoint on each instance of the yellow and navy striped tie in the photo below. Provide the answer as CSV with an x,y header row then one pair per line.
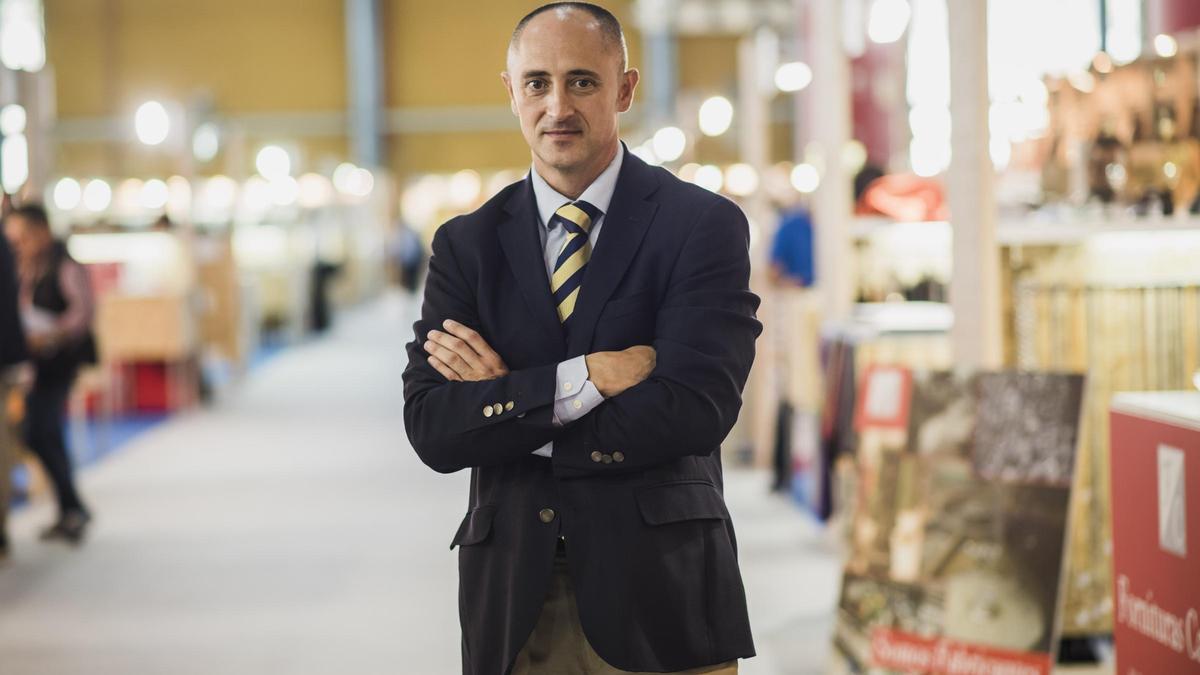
x,y
576,218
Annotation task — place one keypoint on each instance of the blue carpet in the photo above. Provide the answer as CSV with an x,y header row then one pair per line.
x,y
99,439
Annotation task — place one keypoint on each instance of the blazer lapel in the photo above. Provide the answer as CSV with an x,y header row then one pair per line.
x,y
625,224
523,250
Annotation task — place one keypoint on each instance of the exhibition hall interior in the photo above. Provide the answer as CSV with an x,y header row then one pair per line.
x,y
968,442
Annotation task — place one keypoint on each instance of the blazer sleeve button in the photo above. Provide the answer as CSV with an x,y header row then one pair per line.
x,y
487,411
618,457
607,459
596,456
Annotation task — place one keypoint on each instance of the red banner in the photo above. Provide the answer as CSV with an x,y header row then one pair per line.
x,y
898,650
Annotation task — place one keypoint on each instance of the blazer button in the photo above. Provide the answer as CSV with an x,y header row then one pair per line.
x,y
487,411
546,515
607,459
497,409
618,457
596,456
509,406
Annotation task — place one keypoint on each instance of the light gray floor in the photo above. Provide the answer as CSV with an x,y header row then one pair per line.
x,y
292,530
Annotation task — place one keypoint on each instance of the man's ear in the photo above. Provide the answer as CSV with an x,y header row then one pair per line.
x,y
512,101
629,82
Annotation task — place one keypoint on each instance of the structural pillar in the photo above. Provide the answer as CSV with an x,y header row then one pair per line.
x,y
364,77
975,279
829,111
662,60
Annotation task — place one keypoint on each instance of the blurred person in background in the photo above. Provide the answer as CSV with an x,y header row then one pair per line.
x,y
408,257
56,307
12,352
792,249
596,482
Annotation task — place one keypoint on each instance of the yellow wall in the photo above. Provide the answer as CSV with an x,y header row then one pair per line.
x,y
288,56
252,56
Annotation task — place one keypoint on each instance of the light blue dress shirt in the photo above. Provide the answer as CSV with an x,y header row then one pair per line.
x,y
576,395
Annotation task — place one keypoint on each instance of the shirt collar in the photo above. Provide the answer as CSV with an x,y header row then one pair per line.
x,y
599,194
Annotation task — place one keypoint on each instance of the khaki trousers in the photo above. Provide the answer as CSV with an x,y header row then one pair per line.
x,y
558,646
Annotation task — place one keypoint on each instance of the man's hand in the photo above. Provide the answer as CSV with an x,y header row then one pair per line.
x,y
614,372
461,355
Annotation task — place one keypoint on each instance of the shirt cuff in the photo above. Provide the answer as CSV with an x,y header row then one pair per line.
x,y
571,409
574,397
571,377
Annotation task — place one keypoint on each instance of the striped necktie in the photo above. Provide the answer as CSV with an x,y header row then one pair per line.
x,y
577,219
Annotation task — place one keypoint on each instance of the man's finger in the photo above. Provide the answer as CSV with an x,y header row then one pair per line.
x,y
470,336
458,347
446,371
487,355
447,357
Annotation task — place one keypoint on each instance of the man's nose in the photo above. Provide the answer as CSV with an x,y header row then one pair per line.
x,y
558,104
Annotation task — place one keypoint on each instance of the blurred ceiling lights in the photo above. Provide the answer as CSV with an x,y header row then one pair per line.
x,y
710,178
1165,46
97,195
273,162
14,162
716,116
669,143
154,194
464,188
353,180
22,36
67,194
887,20
794,76
315,190
12,119
805,178
741,180
206,142
151,123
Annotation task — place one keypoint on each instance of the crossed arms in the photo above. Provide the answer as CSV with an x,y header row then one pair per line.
x,y
677,397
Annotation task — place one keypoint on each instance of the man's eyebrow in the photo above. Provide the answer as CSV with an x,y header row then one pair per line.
x,y
570,73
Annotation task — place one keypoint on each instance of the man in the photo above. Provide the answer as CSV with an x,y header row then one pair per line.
x,y
582,347
56,308
12,352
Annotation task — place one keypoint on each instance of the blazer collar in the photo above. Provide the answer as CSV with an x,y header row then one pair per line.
x,y
523,249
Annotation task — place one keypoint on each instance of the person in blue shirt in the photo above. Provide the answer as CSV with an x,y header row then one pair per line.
x,y
792,249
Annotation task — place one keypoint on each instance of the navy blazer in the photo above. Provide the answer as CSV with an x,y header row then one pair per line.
x,y
635,486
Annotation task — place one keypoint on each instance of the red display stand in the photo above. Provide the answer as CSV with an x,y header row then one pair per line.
x,y
1156,532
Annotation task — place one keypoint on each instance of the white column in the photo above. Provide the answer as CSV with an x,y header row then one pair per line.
x,y
829,110
975,280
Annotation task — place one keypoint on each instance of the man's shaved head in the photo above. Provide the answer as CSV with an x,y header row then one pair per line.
x,y
604,20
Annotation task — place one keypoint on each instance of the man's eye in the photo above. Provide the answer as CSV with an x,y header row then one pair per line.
x,y
535,85
585,84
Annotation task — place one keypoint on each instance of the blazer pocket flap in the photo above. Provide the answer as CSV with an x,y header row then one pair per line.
x,y
675,502
475,526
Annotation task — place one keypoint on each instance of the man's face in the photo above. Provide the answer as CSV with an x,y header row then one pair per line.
x,y
566,85
27,240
